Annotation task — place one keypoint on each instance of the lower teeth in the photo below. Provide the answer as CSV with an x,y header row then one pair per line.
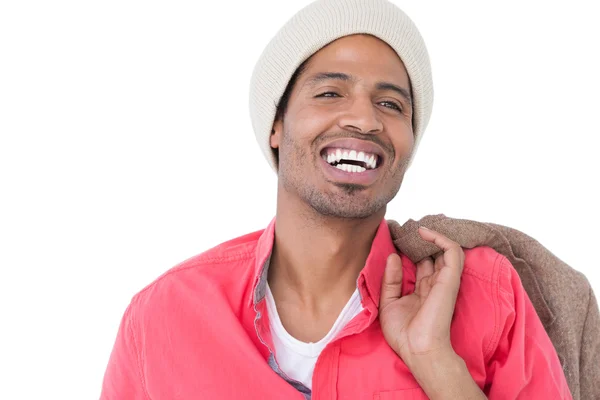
x,y
350,168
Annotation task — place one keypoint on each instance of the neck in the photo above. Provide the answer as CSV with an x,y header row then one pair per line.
x,y
316,259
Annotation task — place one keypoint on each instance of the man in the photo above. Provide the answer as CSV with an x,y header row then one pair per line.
x,y
320,304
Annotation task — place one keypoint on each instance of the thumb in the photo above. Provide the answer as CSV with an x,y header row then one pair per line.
x,y
391,286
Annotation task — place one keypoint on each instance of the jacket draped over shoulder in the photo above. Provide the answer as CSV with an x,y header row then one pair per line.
x,y
561,296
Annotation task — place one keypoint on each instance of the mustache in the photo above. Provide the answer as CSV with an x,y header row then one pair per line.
x,y
326,137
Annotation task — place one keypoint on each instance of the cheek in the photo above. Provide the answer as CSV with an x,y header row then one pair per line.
x,y
403,141
310,122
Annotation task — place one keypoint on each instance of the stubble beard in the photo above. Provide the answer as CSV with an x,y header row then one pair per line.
x,y
348,202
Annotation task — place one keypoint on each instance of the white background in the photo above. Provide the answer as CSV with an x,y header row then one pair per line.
x,y
126,147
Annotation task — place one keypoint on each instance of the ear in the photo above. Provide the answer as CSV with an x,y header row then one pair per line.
x,y
276,134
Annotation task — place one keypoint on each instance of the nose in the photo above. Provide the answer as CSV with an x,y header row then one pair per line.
x,y
361,116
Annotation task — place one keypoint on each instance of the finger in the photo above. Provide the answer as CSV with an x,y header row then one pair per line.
x,y
439,262
391,286
449,273
453,253
448,267
437,238
424,268
441,299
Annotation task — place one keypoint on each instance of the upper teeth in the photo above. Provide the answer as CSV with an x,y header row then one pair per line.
x,y
335,155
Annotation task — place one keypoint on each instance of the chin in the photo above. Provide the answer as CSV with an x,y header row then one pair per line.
x,y
344,213
346,206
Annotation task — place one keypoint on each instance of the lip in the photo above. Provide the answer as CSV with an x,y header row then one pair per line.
x,y
336,175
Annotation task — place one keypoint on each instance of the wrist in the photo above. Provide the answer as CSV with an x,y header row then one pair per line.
x,y
444,376
421,364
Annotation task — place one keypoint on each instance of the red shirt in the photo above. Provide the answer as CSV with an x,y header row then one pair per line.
x,y
201,330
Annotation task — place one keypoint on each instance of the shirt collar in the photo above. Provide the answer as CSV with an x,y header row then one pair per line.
x,y
264,247
369,280
372,274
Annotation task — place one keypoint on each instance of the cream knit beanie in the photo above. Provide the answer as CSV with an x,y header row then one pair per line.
x,y
317,25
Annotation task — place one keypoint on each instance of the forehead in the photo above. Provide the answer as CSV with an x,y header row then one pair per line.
x,y
362,55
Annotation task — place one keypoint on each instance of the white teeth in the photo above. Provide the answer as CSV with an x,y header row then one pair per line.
x,y
350,168
371,161
336,155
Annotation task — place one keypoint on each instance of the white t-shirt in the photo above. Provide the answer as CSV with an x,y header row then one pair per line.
x,y
295,358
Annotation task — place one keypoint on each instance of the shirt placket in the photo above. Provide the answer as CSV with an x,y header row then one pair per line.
x,y
263,332
326,373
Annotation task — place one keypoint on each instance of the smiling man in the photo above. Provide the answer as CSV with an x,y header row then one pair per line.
x,y
320,304
336,153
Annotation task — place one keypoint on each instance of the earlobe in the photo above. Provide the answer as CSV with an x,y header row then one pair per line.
x,y
276,135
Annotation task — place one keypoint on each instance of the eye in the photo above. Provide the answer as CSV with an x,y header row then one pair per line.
x,y
328,94
392,105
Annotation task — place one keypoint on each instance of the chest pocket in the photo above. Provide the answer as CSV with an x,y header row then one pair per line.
x,y
405,394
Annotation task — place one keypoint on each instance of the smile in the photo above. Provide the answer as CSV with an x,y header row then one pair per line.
x,y
349,160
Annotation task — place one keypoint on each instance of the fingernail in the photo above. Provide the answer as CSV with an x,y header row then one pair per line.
x,y
422,227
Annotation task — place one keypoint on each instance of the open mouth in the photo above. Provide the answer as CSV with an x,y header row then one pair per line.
x,y
350,160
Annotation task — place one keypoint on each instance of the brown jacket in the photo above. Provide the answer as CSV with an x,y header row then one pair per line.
x,y
562,296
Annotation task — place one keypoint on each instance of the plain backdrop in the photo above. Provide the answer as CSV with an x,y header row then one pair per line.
x,y
126,147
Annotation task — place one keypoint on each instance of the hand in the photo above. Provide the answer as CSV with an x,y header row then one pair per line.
x,y
417,326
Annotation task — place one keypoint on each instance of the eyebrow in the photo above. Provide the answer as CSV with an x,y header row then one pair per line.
x,y
400,90
324,76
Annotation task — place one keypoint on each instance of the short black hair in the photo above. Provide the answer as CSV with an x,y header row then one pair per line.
x,y
285,98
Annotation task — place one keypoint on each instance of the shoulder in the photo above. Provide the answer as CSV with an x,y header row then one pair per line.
x,y
485,264
490,275
483,302
227,265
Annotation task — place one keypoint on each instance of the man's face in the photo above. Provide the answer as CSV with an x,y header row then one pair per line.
x,y
346,138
